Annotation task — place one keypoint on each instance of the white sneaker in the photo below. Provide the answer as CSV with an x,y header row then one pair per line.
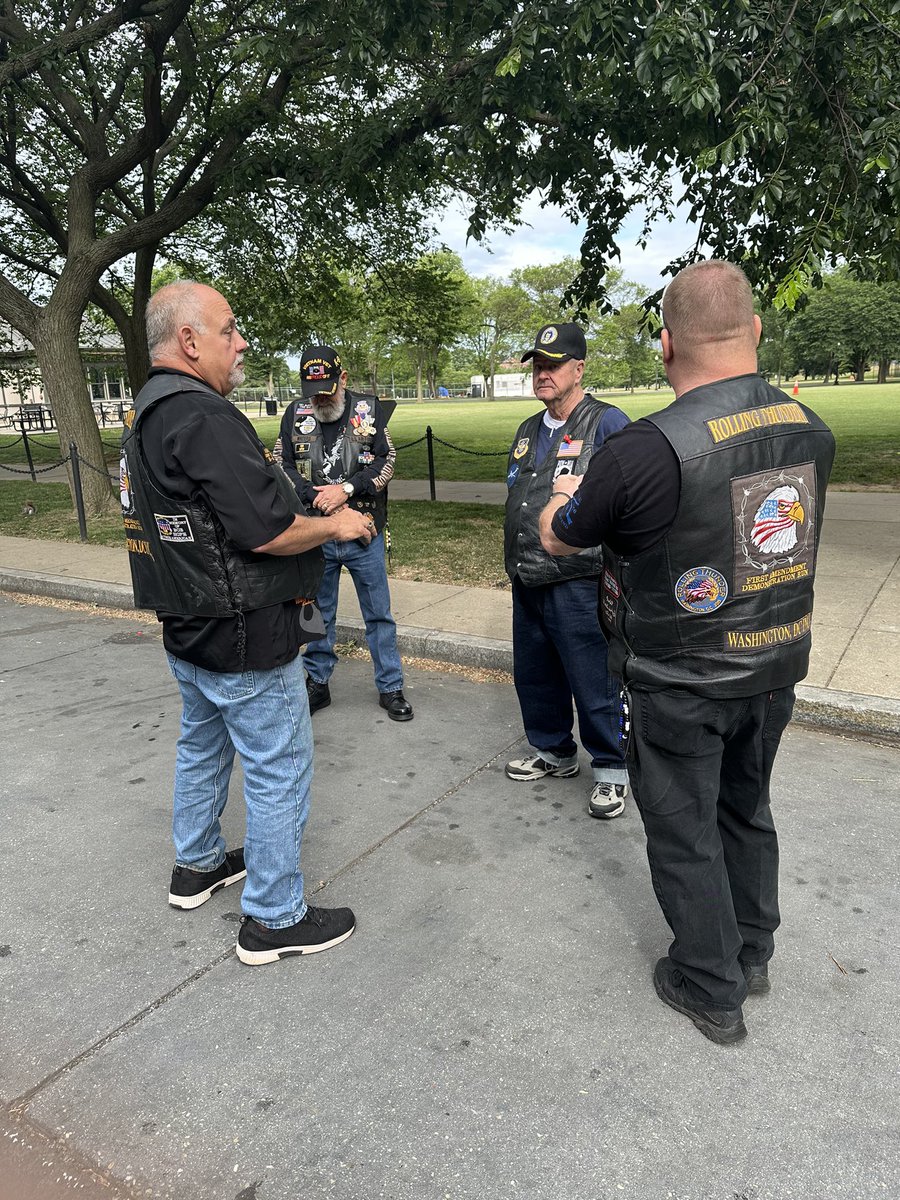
x,y
537,767
608,800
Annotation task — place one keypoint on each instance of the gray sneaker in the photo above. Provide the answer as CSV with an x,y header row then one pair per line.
x,y
607,800
537,767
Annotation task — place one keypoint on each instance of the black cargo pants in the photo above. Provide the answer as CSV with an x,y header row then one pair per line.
x,y
700,771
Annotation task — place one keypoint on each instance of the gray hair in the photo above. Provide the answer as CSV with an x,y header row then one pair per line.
x,y
172,306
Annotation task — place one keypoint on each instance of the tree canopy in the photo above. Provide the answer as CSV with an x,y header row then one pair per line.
x,y
776,123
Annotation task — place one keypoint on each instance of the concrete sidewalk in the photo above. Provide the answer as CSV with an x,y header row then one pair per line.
x,y
490,1032
854,678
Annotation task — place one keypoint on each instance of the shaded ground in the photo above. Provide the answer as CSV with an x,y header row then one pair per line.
x,y
490,1030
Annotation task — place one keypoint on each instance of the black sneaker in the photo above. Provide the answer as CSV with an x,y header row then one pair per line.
x,y
319,694
724,1026
320,929
757,977
190,889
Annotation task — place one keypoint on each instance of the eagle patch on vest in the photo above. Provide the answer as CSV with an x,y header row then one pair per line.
x,y
701,590
774,527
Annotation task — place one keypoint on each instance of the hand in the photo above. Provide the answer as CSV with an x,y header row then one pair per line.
x,y
331,498
567,483
351,526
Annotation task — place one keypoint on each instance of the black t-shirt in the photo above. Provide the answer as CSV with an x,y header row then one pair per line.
x,y
192,445
629,494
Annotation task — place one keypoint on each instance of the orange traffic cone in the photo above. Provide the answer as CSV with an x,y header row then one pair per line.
x,y
796,389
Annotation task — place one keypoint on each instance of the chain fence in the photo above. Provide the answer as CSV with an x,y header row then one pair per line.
x,y
73,457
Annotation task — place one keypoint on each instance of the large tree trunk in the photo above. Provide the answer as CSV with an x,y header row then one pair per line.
x,y
419,395
883,367
66,389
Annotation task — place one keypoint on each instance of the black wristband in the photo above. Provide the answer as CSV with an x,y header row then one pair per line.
x,y
565,494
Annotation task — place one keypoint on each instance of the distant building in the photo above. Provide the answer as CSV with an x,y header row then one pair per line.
x,y
20,379
514,383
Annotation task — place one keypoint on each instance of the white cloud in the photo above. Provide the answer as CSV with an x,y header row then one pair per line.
x,y
547,235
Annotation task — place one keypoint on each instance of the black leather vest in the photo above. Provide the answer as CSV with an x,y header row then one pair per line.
x,y
529,491
182,561
309,450
722,605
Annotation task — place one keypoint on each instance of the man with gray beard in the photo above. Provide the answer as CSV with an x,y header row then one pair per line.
x,y
335,448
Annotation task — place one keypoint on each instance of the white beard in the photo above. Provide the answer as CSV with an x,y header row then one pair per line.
x,y
328,412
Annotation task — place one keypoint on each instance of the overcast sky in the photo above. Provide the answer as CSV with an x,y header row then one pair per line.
x,y
547,236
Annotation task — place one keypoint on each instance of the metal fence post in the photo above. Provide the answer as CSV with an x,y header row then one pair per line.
x,y
429,439
28,454
79,499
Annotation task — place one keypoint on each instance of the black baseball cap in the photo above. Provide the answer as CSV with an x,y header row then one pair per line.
x,y
320,371
559,342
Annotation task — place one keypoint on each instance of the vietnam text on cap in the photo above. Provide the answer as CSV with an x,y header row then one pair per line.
x,y
320,371
559,342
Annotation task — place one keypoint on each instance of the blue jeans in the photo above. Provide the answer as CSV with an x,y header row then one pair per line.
x,y
369,574
264,715
559,652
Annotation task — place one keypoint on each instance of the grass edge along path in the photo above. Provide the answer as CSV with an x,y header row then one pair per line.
x,y
434,542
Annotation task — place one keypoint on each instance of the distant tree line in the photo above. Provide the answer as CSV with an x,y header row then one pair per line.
x,y
849,325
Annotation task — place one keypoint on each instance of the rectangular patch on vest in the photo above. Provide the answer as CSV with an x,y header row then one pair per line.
x,y
174,529
569,449
774,515
762,639
733,424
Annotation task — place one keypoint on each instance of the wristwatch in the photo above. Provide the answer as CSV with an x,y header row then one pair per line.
x,y
348,488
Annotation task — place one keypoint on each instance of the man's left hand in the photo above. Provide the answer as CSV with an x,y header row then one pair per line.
x,y
330,499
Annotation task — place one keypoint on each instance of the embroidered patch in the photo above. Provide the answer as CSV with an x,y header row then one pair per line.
x,y
512,475
774,516
550,334
366,457
174,529
760,639
307,425
563,468
609,599
125,487
701,590
521,448
734,424
569,448
301,447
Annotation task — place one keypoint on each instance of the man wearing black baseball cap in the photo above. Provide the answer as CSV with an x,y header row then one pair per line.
x,y
336,450
559,652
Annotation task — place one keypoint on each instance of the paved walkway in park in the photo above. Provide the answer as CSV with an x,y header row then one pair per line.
x,y
855,671
490,1032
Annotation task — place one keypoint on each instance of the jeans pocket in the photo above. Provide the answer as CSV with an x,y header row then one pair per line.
x,y
237,687
676,721
779,710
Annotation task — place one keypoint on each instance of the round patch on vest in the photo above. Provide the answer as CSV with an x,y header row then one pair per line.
x,y
701,590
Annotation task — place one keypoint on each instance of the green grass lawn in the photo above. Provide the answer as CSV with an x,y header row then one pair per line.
x,y
440,542
865,419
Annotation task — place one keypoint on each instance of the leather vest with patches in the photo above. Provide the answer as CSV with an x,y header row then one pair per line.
x,y
530,490
722,605
182,560
309,452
